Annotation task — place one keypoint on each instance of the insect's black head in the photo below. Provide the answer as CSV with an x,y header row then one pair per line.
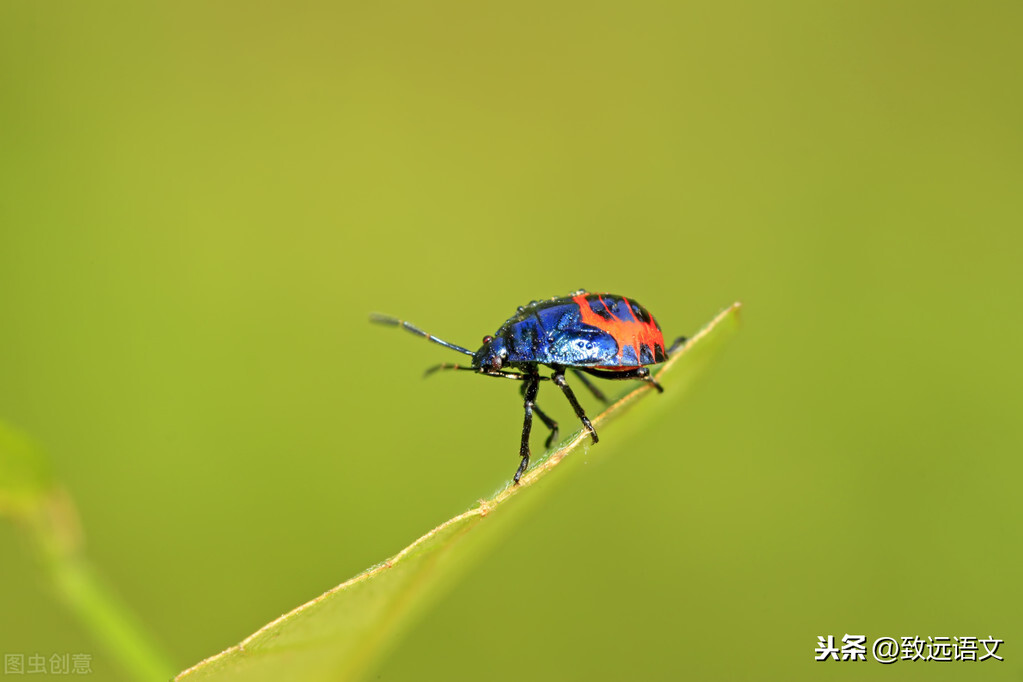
x,y
492,355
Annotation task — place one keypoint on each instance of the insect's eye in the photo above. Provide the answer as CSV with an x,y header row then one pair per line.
x,y
488,339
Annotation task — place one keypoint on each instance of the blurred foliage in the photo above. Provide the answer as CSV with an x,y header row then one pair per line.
x,y
201,203
25,475
44,512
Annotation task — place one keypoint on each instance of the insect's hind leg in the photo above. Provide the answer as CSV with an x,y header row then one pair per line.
x,y
559,378
677,345
641,373
550,423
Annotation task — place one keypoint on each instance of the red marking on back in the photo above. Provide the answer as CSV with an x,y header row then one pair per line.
x,y
626,332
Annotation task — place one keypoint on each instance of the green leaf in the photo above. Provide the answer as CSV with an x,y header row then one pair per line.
x,y
342,633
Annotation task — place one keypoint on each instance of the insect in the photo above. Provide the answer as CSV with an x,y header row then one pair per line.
x,y
602,335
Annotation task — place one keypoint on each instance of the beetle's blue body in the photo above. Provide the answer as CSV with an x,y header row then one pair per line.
x,y
603,335
602,331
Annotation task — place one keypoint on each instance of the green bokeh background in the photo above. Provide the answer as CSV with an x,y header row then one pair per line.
x,y
201,202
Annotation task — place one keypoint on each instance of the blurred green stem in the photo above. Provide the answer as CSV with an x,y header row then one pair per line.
x,y
54,529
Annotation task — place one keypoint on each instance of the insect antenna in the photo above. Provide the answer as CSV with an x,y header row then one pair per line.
x,y
408,326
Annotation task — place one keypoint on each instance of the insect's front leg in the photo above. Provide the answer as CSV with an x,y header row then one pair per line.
x,y
551,424
532,387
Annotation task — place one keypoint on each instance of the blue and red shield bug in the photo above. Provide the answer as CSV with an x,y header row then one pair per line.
x,y
603,335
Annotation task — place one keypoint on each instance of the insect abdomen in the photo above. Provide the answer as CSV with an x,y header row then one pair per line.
x,y
635,331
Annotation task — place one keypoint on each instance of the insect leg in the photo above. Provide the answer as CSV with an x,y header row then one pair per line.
x,y
551,424
559,378
510,375
679,342
597,393
489,373
448,365
532,386
641,373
